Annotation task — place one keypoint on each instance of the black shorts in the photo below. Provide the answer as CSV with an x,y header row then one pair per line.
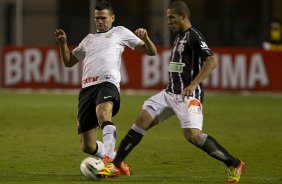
x,y
89,98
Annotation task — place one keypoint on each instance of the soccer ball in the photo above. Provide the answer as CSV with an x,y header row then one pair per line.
x,y
90,166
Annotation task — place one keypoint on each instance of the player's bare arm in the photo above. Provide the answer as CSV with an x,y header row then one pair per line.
x,y
146,45
66,56
209,64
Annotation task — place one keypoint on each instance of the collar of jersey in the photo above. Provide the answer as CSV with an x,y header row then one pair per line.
x,y
184,32
105,31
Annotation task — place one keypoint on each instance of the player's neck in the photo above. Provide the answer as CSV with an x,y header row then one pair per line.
x,y
186,25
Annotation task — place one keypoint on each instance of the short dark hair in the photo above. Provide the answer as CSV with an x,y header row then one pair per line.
x,y
104,5
180,7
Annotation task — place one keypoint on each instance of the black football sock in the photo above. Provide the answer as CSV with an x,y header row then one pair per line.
x,y
214,149
131,140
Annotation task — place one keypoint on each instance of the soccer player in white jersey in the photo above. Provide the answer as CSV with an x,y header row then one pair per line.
x,y
191,62
99,98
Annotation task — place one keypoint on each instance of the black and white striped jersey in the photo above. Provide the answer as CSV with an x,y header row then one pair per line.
x,y
189,52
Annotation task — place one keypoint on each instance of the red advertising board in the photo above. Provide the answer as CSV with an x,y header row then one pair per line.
x,y
246,69
238,70
37,68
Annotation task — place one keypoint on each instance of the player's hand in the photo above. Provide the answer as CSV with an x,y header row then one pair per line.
x,y
188,91
60,36
141,33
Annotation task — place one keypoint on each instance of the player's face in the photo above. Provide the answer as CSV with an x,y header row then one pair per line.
x,y
175,21
104,20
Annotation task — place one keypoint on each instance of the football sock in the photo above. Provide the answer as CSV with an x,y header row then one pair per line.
x,y
214,149
109,138
131,139
99,152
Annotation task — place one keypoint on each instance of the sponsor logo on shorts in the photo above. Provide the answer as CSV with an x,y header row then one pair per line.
x,y
194,106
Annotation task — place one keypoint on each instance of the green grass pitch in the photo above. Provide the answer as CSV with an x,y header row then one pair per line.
x,y
39,142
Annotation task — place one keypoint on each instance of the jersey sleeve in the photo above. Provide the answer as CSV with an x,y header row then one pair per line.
x,y
199,44
79,51
129,39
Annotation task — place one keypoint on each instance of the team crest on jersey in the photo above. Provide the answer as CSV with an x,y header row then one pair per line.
x,y
176,67
109,35
180,48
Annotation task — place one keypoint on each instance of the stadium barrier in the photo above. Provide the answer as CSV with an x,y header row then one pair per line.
x,y
238,70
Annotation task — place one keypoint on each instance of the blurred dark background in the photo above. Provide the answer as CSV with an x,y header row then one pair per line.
x,y
228,23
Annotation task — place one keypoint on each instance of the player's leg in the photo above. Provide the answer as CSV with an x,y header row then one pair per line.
x,y
131,139
143,122
90,144
87,124
107,105
154,111
210,145
191,123
104,115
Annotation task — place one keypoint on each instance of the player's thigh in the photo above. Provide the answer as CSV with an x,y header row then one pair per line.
x,y
86,115
109,98
88,139
157,108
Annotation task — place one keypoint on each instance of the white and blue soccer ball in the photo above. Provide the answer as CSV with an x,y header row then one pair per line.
x,y
90,166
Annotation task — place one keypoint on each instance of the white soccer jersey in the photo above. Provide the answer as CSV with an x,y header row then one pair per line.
x,y
101,55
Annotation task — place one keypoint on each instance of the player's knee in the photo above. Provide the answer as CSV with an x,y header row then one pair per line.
x,y
192,135
192,139
103,115
104,111
144,122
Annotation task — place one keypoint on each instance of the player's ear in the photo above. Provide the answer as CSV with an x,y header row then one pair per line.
x,y
113,17
182,17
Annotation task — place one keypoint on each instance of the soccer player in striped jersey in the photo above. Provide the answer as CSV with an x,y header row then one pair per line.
x,y
99,98
191,62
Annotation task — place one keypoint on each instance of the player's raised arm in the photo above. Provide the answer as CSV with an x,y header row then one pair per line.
x,y
146,45
66,56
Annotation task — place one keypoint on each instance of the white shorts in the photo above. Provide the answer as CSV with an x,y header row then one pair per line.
x,y
165,104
